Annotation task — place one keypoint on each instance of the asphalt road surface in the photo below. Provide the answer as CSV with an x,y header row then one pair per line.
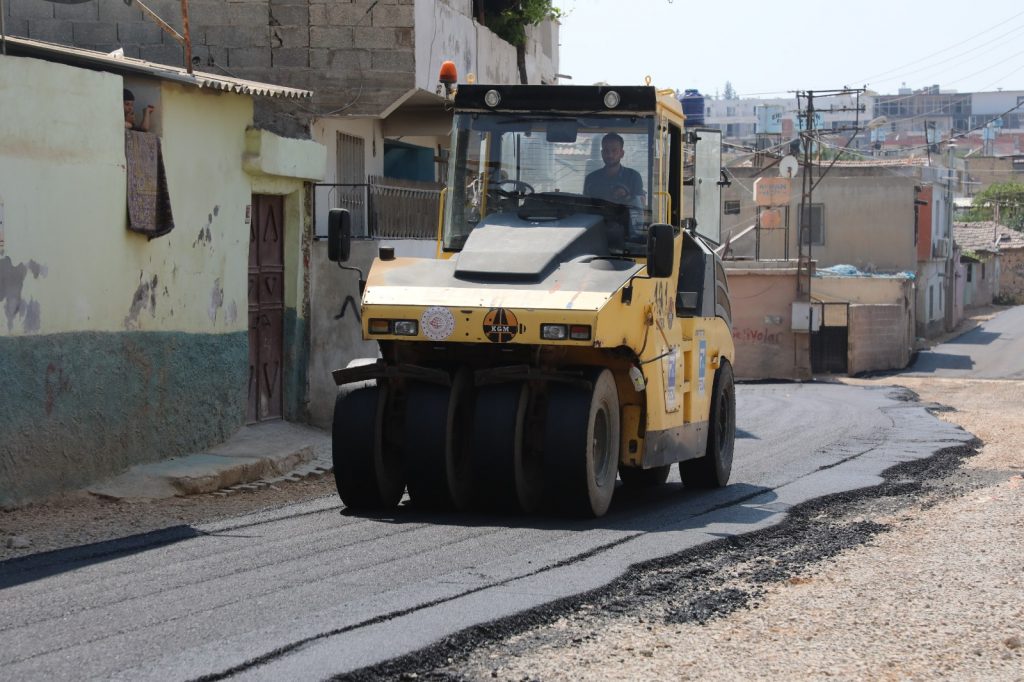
x,y
992,350
308,591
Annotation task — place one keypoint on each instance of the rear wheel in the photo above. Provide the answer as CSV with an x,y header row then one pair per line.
x,y
581,445
713,469
367,468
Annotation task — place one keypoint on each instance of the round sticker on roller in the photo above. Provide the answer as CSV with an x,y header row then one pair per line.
x,y
437,323
500,325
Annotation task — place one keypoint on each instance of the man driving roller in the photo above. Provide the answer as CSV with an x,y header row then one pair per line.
x,y
614,182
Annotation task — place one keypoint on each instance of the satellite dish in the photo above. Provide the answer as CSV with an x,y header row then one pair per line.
x,y
788,167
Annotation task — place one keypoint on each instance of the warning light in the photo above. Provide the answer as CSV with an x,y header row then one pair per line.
x,y
448,77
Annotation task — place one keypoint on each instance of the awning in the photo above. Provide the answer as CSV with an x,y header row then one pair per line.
x,y
101,61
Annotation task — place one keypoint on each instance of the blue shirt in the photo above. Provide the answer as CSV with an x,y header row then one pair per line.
x,y
600,185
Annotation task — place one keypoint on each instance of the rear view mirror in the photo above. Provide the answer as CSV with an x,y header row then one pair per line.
x,y
339,235
660,251
562,131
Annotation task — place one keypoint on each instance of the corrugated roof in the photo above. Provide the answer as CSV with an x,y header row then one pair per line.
x,y
987,236
101,61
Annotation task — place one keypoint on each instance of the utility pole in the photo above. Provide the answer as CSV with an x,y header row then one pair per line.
x,y
808,136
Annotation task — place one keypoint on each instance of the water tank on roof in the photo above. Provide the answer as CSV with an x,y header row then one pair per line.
x,y
693,108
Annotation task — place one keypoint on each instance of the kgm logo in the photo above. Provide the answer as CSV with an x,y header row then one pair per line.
x,y
500,325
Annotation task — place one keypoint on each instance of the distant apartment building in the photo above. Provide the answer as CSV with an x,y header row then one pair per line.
x,y
990,121
742,120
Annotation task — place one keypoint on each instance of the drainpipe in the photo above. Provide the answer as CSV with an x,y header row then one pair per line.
x,y
3,32
950,268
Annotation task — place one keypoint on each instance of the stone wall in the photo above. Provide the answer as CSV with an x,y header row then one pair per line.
x,y
879,337
1011,276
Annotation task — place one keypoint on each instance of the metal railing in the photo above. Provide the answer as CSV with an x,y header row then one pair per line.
x,y
384,208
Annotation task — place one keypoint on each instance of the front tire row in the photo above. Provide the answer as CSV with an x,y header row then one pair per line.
x,y
428,440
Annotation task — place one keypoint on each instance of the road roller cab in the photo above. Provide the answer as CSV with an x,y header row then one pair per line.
x,y
575,326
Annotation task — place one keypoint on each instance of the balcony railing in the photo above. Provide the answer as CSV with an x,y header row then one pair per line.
x,y
385,208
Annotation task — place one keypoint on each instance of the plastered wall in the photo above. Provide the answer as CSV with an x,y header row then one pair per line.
x,y
115,349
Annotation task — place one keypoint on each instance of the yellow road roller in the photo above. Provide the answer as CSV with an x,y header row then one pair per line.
x,y
574,328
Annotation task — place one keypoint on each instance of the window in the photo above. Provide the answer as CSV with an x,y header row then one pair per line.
x,y
732,207
816,219
351,176
970,271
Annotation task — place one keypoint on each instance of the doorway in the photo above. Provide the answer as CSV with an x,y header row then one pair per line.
x,y
266,308
830,344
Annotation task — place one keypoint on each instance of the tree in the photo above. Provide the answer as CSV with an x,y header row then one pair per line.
x,y
509,19
729,93
1002,202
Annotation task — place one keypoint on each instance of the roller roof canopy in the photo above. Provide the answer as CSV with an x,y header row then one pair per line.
x,y
569,98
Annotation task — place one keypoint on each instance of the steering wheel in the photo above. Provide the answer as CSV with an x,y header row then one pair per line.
x,y
518,189
621,193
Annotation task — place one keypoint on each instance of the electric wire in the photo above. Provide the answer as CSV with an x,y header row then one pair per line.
x,y
938,52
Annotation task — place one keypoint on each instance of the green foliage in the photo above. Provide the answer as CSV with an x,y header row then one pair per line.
x,y
730,92
510,21
1003,202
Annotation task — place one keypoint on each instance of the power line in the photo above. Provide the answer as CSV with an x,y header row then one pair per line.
x,y
943,50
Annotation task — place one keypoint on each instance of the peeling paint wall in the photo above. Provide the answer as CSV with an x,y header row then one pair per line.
x,y
65,195
116,349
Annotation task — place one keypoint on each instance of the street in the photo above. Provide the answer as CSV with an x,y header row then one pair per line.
x,y
308,591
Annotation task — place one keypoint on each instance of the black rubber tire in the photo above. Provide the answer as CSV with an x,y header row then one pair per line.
x,y
497,447
438,469
581,445
713,469
367,470
638,478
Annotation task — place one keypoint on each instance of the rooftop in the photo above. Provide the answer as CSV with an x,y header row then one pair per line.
x,y
102,61
987,236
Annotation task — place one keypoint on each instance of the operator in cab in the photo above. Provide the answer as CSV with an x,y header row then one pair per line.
x,y
614,182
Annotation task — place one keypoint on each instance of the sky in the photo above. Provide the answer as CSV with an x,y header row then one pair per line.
x,y
769,49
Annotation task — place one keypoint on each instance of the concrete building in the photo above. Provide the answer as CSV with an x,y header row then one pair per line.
x,y
376,110
978,246
882,253
119,346
996,257
739,123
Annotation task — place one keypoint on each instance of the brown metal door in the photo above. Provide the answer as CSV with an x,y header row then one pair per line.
x,y
266,307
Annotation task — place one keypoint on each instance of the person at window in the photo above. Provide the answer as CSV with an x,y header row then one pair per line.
x,y
614,182
129,113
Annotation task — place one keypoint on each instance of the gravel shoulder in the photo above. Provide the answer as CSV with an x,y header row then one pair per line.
x,y
929,585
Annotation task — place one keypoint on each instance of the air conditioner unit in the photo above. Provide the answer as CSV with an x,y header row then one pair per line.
x,y
940,248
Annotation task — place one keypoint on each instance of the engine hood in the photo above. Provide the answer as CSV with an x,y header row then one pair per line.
x,y
506,247
511,261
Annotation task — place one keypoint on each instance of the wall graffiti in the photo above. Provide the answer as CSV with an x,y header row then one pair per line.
x,y
349,300
757,336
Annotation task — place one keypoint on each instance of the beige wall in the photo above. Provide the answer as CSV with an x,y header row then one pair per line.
x,y
869,221
983,171
94,274
766,346
863,289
